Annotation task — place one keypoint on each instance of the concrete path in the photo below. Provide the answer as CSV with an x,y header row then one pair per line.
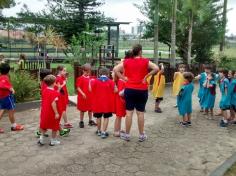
x,y
170,150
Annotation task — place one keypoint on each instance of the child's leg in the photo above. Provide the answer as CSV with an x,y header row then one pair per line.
x,y
41,137
66,123
232,114
1,113
54,134
11,116
117,126
105,124
188,117
81,116
90,115
54,141
185,118
99,121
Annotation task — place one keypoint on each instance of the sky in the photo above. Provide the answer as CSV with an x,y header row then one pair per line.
x,y
121,11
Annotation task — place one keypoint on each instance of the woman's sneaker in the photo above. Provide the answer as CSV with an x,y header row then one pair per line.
x,y
142,137
54,142
125,137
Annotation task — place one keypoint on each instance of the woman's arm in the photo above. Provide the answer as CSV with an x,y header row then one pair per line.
x,y
154,69
118,69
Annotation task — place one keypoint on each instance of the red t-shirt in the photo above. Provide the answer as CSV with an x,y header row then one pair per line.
x,y
63,98
5,86
103,96
84,104
120,109
47,115
135,70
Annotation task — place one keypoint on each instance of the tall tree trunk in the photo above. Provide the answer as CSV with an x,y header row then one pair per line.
x,y
224,22
156,20
173,35
190,35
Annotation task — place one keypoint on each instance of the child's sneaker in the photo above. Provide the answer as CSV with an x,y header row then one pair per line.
x,y
104,135
125,136
54,142
17,128
189,123
68,125
38,134
98,133
64,132
184,124
92,123
142,137
41,141
81,124
1,130
223,124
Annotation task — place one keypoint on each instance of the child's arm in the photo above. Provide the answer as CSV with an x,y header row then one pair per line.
x,y
197,77
81,92
154,69
54,107
175,75
162,68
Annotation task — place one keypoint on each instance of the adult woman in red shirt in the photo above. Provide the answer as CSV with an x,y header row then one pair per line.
x,y
136,88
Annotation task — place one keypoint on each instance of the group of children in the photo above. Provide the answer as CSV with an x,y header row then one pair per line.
x,y
183,89
101,97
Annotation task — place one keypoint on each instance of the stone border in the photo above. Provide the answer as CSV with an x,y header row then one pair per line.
x,y
32,105
222,169
27,105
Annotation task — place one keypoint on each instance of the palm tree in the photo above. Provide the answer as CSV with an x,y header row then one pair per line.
x,y
173,35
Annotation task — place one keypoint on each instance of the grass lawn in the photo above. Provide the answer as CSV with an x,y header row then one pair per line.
x,y
231,171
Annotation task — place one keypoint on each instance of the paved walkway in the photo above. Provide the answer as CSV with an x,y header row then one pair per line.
x,y
170,150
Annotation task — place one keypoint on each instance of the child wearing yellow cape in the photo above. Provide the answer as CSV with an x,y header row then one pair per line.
x,y
178,80
158,88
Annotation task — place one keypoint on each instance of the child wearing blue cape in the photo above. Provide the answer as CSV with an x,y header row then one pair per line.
x,y
184,99
225,97
232,94
209,94
202,78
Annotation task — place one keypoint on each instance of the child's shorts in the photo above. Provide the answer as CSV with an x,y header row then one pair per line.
x,y
233,107
159,99
7,103
100,115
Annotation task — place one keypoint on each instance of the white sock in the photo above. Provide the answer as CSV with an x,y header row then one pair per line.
x,y
13,125
225,121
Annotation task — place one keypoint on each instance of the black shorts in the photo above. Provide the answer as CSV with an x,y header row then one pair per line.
x,y
100,115
159,99
136,99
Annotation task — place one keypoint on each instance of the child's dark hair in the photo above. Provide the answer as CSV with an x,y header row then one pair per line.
x,y
104,71
181,66
188,76
4,68
224,71
213,75
232,72
207,66
49,80
128,54
60,68
136,49
22,57
86,67
44,72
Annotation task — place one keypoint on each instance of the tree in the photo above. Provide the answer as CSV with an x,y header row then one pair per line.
x,y
69,17
156,20
206,28
224,23
173,34
6,4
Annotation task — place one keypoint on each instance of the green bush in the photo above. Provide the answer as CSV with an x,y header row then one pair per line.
x,y
26,86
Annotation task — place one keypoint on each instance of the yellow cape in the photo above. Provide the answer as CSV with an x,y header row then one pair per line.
x,y
178,82
158,85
